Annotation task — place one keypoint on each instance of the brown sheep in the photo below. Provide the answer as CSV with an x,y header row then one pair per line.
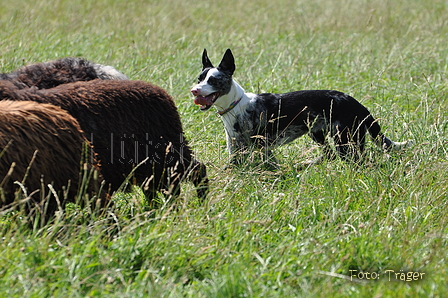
x,y
28,128
128,123
50,74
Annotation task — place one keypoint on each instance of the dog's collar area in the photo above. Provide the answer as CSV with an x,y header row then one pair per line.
x,y
232,105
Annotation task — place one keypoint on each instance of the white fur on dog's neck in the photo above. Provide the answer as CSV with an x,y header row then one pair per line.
x,y
229,119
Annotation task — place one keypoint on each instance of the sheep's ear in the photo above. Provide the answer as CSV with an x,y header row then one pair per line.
x,y
205,61
228,62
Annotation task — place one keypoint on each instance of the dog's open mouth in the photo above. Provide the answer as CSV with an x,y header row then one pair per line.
x,y
206,102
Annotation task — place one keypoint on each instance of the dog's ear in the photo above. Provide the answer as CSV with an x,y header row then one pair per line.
x,y
205,61
228,62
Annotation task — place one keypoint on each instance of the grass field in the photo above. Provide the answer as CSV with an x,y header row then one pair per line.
x,y
291,233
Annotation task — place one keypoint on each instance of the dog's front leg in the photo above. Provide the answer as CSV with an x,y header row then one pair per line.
x,y
236,148
267,157
270,159
238,152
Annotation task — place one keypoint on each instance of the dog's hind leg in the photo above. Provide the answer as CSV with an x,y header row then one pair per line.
x,y
358,141
350,147
344,143
319,137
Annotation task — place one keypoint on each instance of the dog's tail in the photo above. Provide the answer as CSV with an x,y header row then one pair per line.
x,y
380,139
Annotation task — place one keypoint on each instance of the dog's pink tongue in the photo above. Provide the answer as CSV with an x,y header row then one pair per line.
x,y
202,101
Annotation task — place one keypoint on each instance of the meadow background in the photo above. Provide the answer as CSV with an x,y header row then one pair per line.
x,y
290,233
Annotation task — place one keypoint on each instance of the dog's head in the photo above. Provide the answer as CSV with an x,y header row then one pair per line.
x,y
213,82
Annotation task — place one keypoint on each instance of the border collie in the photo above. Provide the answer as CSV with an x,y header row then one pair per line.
x,y
268,120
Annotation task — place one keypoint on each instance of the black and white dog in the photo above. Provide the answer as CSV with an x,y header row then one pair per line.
x,y
268,120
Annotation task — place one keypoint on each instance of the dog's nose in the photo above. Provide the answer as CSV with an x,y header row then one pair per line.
x,y
195,91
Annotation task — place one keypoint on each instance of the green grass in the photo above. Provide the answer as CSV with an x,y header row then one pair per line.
x,y
292,233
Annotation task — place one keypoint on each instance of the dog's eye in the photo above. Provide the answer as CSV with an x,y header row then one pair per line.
x,y
211,80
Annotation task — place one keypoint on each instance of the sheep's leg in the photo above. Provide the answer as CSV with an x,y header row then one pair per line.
x,y
198,175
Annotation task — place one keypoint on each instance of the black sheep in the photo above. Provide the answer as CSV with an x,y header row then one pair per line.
x,y
50,74
128,123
